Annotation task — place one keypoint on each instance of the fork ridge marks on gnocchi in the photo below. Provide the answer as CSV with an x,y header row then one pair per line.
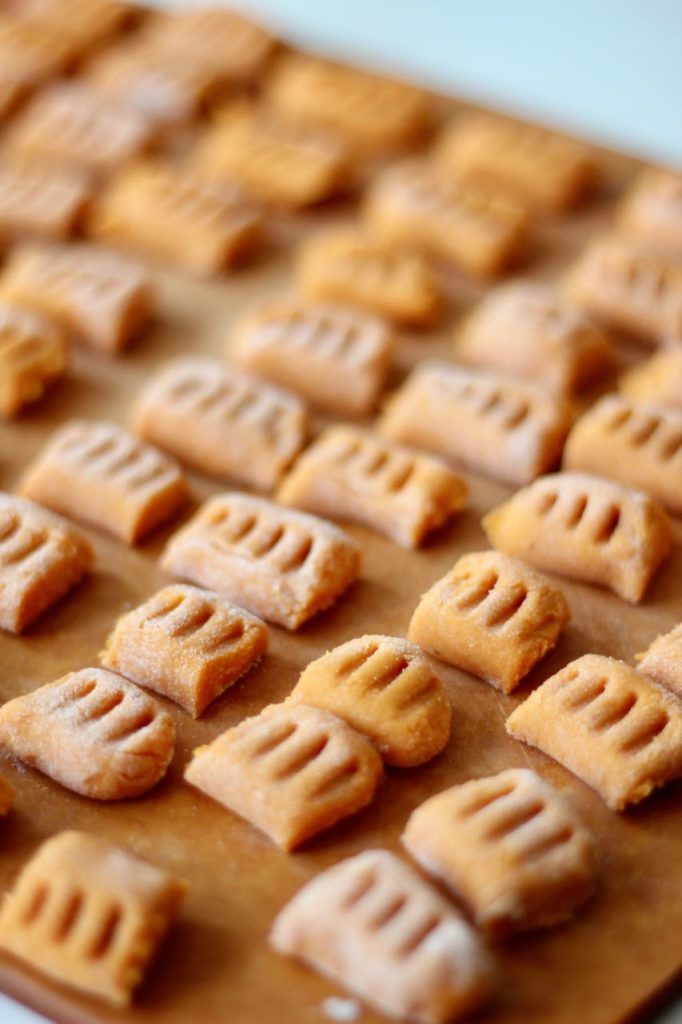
x,y
33,355
69,125
491,615
481,231
495,426
386,688
42,200
525,329
187,644
291,771
89,915
101,297
651,211
93,732
585,528
374,925
199,225
543,169
276,162
608,724
637,444
41,559
349,265
98,472
509,847
369,111
350,474
282,565
334,356
224,421
628,287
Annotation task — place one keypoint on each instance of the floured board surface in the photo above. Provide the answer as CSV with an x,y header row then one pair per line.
x,y
216,966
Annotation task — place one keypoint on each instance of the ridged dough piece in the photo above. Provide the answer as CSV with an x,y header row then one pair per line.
x,y
235,49
201,226
662,660
349,265
480,231
492,616
42,200
352,475
585,528
93,732
225,422
369,111
627,287
89,915
544,169
526,330
651,211
33,354
88,22
291,771
608,724
31,53
495,426
509,847
101,297
376,927
97,472
282,565
42,557
640,445
386,688
272,160
335,356
70,125
188,644
657,379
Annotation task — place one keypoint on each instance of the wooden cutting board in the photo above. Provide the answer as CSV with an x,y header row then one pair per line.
x,y
216,967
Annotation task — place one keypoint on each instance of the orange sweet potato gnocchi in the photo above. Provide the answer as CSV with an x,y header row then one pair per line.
x,y
608,724
544,169
385,688
332,355
490,424
201,226
478,230
637,444
662,660
375,926
651,211
351,475
526,330
42,200
272,160
369,111
68,124
282,565
187,644
657,379
509,847
97,295
585,528
30,53
89,915
629,288
492,616
93,732
292,771
224,421
348,265
87,22
33,354
41,559
97,472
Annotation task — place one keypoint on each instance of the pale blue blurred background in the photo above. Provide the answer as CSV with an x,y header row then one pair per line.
x,y
609,70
